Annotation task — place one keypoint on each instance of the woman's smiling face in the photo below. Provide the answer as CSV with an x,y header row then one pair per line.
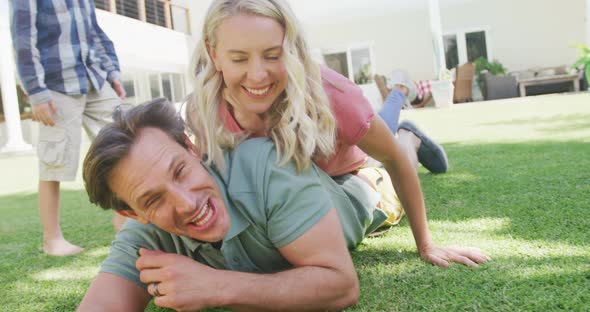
x,y
249,55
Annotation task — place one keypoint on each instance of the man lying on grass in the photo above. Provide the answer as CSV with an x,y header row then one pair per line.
x,y
255,236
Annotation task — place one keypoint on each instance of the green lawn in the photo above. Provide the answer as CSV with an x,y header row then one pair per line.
x,y
518,188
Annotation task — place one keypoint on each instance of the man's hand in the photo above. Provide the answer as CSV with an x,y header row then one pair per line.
x,y
118,87
44,112
183,284
441,256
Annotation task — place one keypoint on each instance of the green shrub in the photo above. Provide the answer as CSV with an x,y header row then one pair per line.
x,y
583,62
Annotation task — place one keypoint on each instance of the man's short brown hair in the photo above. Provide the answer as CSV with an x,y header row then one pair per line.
x,y
115,141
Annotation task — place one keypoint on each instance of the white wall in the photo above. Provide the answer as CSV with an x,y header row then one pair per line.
x,y
145,46
524,33
197,11
401,40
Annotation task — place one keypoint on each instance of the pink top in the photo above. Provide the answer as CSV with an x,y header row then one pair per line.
x,y
353,114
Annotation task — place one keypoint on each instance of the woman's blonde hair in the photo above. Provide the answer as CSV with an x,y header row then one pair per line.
x,y
300,121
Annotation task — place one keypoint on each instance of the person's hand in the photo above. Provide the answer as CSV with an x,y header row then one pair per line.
x,y
44,112
183,284
118,87
441,256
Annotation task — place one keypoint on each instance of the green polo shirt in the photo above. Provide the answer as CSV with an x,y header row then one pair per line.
x,y
269,205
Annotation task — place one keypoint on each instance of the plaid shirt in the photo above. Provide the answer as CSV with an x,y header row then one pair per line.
x,y
60,47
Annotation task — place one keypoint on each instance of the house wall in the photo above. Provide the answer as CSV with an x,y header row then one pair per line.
x,y
524,33
145,46
144,49
400,40
197,11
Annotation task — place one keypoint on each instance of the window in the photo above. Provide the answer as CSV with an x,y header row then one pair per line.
x,y
170,86
158,12
155,90
451,51
466,46
361,65
130,88
167,87
142,86
128,8
355,62
178,87
102,4
179,19
476,45
154,12
337,62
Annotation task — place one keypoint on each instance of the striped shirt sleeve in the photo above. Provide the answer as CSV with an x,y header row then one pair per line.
x,y
24,34
106,49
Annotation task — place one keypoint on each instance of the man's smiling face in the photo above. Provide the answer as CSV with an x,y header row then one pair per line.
x,y
166,185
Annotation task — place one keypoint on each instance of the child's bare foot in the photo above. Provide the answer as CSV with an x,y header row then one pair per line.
x,y
60,248
405,90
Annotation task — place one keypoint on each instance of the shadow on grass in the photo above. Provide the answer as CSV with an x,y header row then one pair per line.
x,y
542,188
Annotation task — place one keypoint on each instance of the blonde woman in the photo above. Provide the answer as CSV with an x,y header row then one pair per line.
x,y
255,78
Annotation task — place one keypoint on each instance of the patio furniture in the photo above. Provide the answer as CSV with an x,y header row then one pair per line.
x,y
381,82
499,87
463,83
535,81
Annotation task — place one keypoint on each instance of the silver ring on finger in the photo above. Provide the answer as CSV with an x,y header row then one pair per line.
x,y
155,290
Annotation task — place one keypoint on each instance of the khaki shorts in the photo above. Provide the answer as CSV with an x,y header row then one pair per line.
x,y
58,148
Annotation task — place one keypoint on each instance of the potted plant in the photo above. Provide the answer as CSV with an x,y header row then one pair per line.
x,y
583,62
364,75
482,65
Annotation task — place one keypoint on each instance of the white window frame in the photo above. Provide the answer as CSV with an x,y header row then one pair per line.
x,y
462,41
172,84
348,50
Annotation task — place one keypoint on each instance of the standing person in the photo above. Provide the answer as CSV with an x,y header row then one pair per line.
x,y
255,77
69,69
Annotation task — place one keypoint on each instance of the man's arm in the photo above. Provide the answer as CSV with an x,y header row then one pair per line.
x,y
109,292
323,278
407,186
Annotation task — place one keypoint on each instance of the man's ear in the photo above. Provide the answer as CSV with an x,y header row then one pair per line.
x,y
192,149
213,54
132,215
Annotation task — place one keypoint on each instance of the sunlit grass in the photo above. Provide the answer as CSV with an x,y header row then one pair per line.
x,y
518,189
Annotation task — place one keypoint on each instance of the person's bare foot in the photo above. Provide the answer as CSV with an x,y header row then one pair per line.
x,y
402,88
60,248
